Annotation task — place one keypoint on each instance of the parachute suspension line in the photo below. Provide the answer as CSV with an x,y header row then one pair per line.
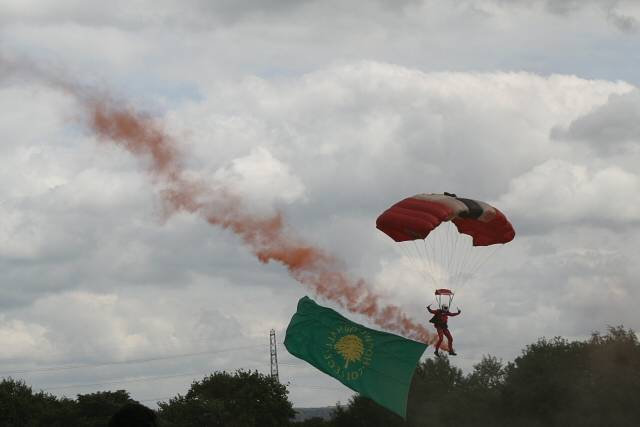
x,y
454,237
422,257
463,273
433,258
425,268
479,262
440,254
445,244
449,253
483,260
430,259
445,252
418,261
413,259
459,261
464,257
445,256
452,244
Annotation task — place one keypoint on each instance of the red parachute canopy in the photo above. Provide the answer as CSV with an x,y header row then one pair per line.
x,y
444,291
415,217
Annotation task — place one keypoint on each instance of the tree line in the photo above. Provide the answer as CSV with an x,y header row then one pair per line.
x,y
554,382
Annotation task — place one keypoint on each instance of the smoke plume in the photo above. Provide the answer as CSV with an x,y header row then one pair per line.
x,y
269,238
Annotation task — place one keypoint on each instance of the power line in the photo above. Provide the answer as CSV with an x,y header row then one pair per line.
x,y
312,387
124,380
162,377
123,362
292,363
156,399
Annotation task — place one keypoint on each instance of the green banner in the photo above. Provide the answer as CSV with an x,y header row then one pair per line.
x,y
376,364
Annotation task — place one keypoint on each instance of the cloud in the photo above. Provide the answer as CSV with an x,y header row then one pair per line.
x,y
275,39
623,14
198,14
557,193
625,23
20,340
612,128
261,179
398,128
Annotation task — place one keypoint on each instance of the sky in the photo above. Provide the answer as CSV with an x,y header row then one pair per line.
x,y
320,114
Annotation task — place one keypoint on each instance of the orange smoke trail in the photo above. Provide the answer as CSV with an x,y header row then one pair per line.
x,y
267,237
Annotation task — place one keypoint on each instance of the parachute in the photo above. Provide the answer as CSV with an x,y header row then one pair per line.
x,y
444,236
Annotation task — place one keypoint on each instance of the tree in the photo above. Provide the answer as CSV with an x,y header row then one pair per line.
x,y
611,385
478,395
20,406
313,422
434,394
539,385
244,399
95,409
134,415
364,412
561,383
489,374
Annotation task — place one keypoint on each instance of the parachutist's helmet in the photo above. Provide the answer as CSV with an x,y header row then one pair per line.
x,y
445,307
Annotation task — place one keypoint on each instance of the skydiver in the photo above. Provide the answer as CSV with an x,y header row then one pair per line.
x,y
439,320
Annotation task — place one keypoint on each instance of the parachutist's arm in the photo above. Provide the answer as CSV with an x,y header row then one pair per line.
x,y
429,309
455,314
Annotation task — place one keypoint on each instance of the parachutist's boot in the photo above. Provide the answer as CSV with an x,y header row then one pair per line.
x,y
437,353
453,353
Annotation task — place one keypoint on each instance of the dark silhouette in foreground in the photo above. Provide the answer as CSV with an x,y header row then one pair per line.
x,y
134,415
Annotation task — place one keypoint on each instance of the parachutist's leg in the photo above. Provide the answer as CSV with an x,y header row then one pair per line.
x,y
449,342
449,338
440,336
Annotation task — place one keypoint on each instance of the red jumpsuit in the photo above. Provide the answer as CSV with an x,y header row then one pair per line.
x,y
440,322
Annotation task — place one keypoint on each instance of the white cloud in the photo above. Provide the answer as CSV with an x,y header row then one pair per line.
x,y
557,192
19,340
274,38
261,179
612,128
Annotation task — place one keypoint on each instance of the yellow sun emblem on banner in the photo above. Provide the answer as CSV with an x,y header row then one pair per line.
x,y
350,347
348,352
